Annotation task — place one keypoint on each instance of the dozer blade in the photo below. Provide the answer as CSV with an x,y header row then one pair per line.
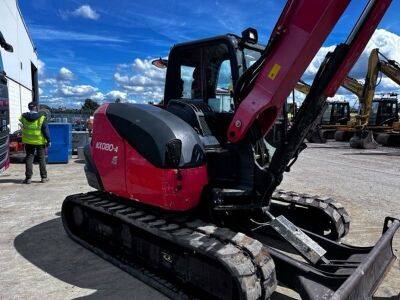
x,y
364,281
351,273
363,140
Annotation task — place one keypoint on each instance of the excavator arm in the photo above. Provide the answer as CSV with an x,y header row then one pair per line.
x,y
302,87
349,83
366,92
375,65
369,88
391,69
353,86
328,79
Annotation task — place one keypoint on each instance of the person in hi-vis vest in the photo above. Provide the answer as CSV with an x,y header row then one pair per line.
x,y
35,137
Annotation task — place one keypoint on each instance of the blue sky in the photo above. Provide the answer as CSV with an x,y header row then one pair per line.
x,y
102,49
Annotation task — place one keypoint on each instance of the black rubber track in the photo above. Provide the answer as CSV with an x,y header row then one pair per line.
x,y
332,212
245,260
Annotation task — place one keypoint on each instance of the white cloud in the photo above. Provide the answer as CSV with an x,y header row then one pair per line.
x,y
385,84
387,42
65,75
121,79
144,83
76,91
41,66
112,95
48,81
98,97
49,34
85,11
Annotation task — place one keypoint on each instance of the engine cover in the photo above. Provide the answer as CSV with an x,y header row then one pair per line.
x,y
145,153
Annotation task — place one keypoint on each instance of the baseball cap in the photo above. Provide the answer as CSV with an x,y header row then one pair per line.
x,y
32,105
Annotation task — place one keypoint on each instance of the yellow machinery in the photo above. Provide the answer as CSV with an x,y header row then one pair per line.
x,y
335,114
391,137
375,114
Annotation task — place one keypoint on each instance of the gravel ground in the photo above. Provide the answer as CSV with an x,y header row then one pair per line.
x,y
38,260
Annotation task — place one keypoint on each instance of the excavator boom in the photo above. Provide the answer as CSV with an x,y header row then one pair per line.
x,y
349,83
331,74
296,39
391,69
369,87
353,86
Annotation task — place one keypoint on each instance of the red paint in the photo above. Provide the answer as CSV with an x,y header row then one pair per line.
x,y
300,32
110,164
162,187
127,174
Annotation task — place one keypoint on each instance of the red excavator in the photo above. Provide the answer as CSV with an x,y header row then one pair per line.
x,y
186,194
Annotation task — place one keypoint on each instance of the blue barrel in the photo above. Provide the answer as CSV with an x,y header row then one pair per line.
x,y
61,143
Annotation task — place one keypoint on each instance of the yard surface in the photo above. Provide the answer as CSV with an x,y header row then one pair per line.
x,y
38,260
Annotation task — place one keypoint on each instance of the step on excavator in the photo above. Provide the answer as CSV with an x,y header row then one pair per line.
x,y
187,197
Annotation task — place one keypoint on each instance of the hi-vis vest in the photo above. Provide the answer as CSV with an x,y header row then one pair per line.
x,y
32,131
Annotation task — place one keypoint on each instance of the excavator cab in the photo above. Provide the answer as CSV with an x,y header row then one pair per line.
x,y
199,85
207,70
384,112
199,89
204,73
337,112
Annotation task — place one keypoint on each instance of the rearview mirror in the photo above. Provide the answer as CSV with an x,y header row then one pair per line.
x,y
160,63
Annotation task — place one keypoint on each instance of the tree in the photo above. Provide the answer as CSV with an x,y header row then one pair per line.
x,y
118,100
90,105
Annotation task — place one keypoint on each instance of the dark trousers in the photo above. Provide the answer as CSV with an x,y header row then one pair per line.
x,y
30,155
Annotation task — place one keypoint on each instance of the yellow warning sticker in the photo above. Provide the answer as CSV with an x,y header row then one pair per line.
x,y
274,71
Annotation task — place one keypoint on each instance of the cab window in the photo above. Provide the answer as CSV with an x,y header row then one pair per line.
x,y
202,73
223,101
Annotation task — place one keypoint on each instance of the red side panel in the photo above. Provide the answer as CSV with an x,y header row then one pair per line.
x,y
108,150
126,173
303,27
171,189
